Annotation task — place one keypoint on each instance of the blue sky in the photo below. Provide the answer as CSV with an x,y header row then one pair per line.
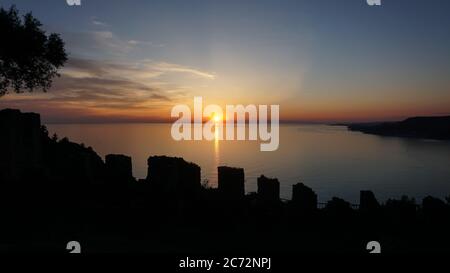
x,y
321,60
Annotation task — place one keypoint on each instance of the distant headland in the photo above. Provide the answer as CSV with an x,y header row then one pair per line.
x,y
437,128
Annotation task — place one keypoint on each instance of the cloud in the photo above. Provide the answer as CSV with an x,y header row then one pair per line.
x,y
142,70
96,22
94,43
99,23
103,42
168,67
136,43
101,80
100,87
114,84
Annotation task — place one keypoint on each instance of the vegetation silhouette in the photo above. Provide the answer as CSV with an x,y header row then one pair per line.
x,y
29,58
53,191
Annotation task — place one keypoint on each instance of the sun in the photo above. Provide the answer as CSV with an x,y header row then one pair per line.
x,y
217,118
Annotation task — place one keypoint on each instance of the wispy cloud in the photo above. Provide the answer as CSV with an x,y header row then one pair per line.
x,y
138,71
168,67
101,80
96,43
104,42
131,88
145,43
99,23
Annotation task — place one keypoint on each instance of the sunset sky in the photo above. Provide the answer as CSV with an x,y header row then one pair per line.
x,y
321,60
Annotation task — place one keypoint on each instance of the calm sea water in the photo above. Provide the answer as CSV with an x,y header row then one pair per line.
x,y
330,159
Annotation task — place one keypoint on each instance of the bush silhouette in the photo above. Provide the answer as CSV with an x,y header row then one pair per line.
x,y
29,58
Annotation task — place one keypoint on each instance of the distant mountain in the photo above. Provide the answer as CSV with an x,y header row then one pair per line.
x,y
415,127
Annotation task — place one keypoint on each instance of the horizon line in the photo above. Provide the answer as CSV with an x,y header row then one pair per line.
x,y
312,122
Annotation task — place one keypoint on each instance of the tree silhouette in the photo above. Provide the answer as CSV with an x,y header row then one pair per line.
x,y
29,59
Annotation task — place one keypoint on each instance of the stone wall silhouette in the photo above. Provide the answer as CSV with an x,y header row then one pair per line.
x,y
119,169
20,145
231,182
172,176
268,189
304,197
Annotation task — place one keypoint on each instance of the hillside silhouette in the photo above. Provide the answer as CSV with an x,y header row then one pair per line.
x,y
416,127
53,191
